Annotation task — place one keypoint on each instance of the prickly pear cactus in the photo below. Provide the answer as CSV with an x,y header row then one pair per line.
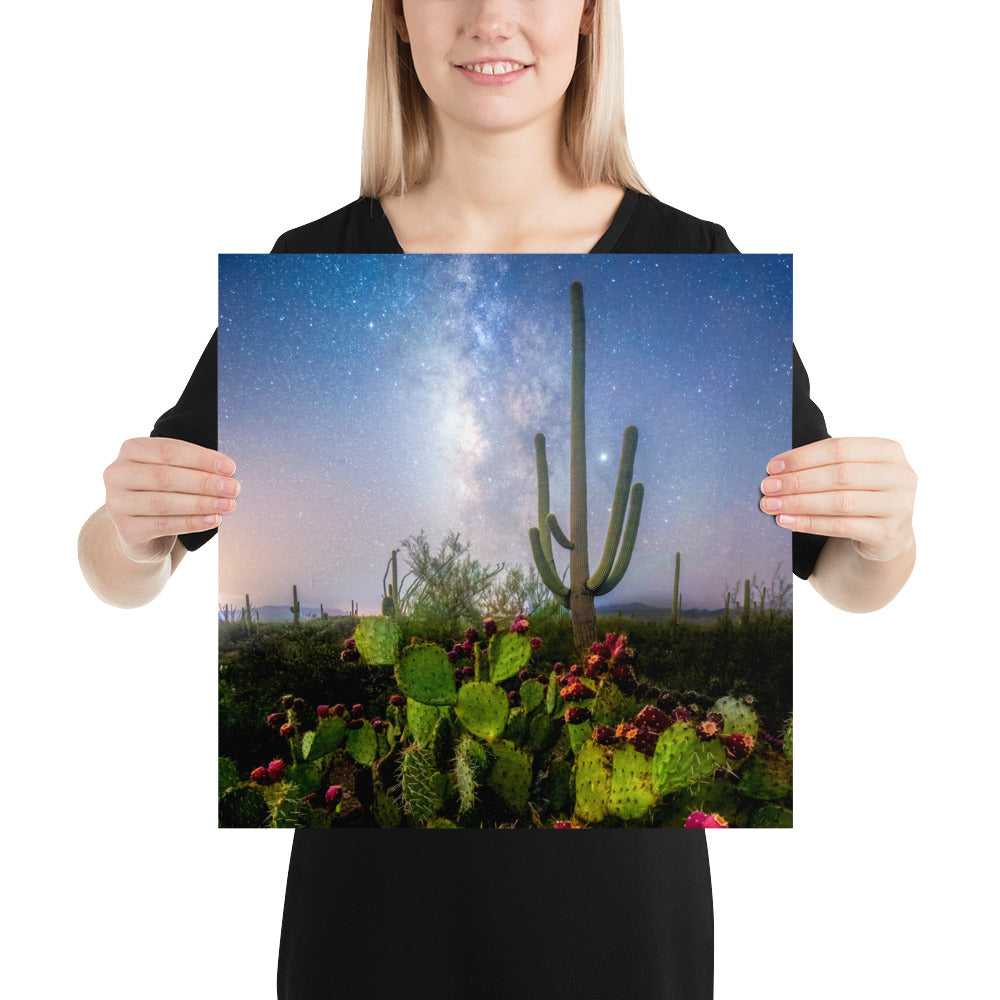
x,y
738,715
420,792
362,744
766,776
608,705
424,673
509,652
593,784
532,694
471,763
243,806
442,743
482,708
422,719
329,734
579,734
632,794
378,639
682,759
788,740
510,776
552,694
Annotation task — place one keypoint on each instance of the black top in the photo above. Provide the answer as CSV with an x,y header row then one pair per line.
x,y
494,914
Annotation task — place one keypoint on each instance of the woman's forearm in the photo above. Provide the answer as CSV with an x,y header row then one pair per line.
x,y
852,583
111,574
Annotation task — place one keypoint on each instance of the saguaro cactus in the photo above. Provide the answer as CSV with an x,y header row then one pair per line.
x,y
294,608
677,580
583,587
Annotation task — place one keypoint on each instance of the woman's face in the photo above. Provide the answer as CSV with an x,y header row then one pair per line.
x,y
453,41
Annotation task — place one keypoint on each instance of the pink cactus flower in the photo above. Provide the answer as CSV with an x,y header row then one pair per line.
x,y
334,794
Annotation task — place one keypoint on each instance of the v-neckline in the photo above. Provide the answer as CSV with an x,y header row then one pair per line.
x,y
605,244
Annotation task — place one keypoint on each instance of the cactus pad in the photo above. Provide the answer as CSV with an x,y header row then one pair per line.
x,y
243,806
470,762
632,793
378,639
608,705
682,759
328,735
421,795
787,737
422,719
593,784
766,776
386,811
510,775
509,652
738,715
424,673
532,694
228,775
579,734
362,744
482,708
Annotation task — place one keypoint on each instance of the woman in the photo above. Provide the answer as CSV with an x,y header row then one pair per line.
x,y
496,126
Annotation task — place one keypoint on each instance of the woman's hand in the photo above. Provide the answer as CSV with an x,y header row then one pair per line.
x,y
158,488
859,493
860,489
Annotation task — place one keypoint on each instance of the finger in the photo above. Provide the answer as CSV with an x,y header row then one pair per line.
x,y
162,504
871,476
136,531
143,477
172,451
833,451
865,530
843,503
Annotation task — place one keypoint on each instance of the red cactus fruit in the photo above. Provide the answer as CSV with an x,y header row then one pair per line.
x,y
645,741
355,723
338,709
600,649
717,718
707,730
699,820
468,670
738,745
520,624
653,718
561,824
357,710
276,769
378,724
576,713
471,635
467,648
536,643
350,656
453,655
514,697
680,714
457,673
286,700
396,699
576,690
322,711
349,643
524,673
559,667
616,644
541,678
259,774
604,735
299,705
287,730
334,794
576,670
593,669
490,627
276,719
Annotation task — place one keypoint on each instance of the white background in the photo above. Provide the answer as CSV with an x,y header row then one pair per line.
x,y
143,140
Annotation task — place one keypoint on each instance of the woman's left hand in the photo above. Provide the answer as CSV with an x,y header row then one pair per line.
x,y
856,488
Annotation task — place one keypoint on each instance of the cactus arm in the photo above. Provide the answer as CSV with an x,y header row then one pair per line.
x,y
628,542
553,526
542,469
545,571
629,440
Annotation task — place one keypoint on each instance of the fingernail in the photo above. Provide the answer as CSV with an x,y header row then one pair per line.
x,y
770,485
210,518
771,504
786,519
225,466
775,467
228,487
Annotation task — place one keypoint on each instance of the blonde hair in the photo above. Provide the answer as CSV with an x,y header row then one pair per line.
x,y
396,140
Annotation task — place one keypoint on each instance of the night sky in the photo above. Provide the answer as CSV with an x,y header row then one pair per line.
x,y
364,397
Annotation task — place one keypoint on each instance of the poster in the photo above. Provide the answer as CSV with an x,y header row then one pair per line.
x,y
498,559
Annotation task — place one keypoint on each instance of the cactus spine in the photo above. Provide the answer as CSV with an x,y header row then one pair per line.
x,y
295,604
583,587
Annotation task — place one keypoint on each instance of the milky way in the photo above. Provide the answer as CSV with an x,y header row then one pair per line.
x,y
365,397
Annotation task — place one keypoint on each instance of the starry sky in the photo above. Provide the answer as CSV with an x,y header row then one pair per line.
x,y
365,397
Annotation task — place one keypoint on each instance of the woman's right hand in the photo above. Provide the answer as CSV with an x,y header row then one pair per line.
x,y
158,488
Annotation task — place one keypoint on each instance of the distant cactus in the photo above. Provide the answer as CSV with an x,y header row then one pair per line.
x,y
247,614
745,617
677,580
583,587
295,604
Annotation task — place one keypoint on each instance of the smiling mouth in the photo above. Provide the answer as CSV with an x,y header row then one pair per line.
x,y
492,68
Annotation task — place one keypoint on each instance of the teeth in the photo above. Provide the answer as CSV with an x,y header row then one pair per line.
x,y
495,69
